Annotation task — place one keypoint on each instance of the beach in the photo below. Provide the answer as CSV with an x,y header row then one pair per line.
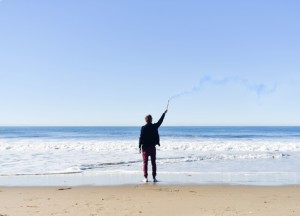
x,y
188,151
209,171
151,108
151,199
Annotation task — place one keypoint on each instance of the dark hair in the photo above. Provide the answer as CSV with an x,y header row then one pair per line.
x,y
148,118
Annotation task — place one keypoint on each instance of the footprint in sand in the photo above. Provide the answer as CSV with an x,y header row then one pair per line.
x,y
64,189
31,206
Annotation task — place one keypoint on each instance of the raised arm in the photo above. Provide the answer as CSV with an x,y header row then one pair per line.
x,y
160,121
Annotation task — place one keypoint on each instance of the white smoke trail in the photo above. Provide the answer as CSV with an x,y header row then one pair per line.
x,y
258,88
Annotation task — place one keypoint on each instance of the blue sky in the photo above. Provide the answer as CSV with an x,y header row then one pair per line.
x,y
112,62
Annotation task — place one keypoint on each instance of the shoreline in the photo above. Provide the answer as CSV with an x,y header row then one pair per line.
x,y
153,199
114,178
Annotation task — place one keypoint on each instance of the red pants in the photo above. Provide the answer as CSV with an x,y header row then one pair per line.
x,y
151,151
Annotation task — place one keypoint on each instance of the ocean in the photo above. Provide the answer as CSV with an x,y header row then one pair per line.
x,y
266,155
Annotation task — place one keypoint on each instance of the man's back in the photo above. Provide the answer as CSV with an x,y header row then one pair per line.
x,y
149,134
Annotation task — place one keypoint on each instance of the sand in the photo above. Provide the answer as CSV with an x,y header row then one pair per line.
x,y
151,200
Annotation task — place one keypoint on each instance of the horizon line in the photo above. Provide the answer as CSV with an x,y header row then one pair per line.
x,y
142,125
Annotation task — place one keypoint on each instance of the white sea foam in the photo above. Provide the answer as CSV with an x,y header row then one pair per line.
x,y
49,156
167,145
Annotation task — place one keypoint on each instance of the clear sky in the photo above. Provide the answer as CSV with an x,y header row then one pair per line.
x,y
111,62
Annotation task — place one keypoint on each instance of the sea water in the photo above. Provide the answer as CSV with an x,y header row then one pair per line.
x,y
238,155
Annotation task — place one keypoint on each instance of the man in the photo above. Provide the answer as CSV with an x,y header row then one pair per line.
x,y
149,138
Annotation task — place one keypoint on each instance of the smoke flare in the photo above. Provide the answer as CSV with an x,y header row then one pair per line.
x,y
258,88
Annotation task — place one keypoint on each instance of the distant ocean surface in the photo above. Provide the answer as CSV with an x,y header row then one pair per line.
x,y
190,150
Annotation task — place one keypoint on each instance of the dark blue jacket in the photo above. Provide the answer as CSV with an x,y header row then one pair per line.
x,y
149,134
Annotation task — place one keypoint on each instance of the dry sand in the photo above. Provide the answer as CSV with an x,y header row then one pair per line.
x,y
151,200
